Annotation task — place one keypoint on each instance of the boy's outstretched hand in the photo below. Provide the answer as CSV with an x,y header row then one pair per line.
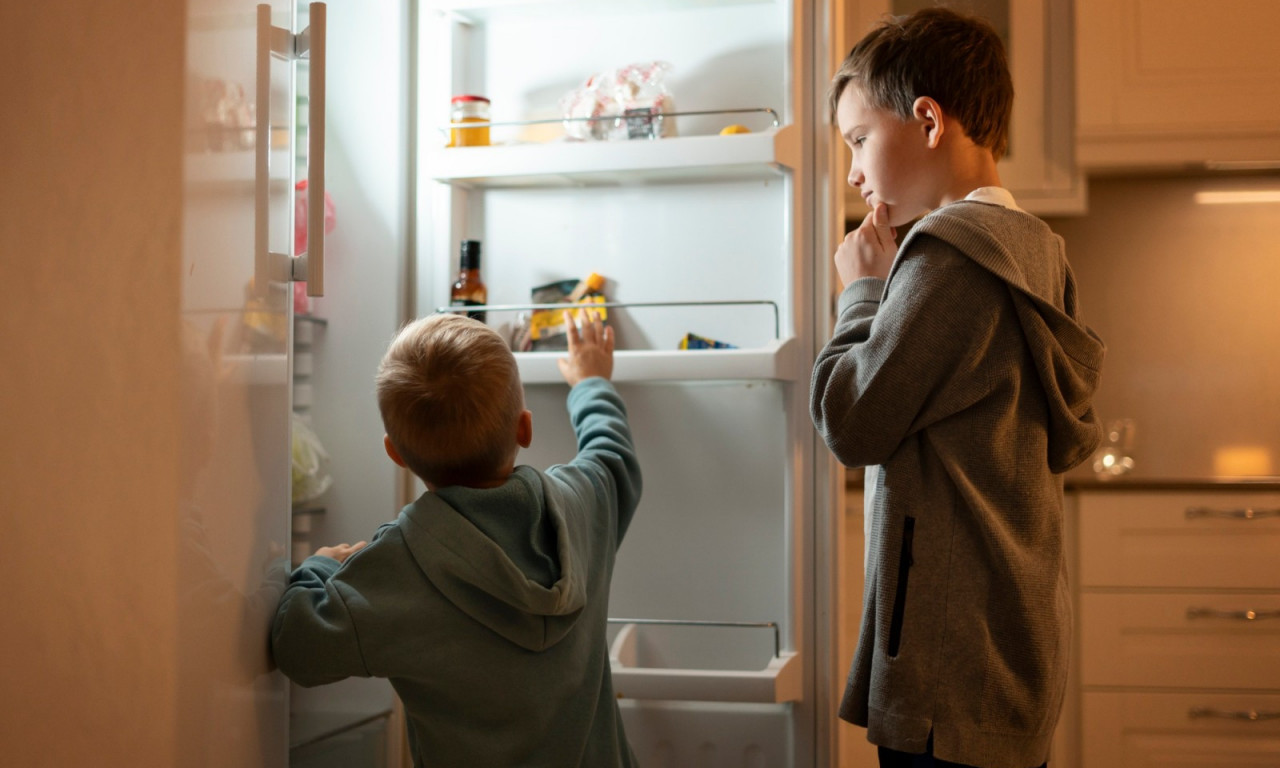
x,y
590,348
341,552
869,250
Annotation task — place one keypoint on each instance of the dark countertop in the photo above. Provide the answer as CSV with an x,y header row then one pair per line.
x,y
854,477
1259,483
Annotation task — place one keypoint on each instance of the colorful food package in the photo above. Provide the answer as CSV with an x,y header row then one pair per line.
x,y
625,103
694,341
546,326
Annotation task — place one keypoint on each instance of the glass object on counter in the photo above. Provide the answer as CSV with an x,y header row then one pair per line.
x,y
469,108
469,290
1115,456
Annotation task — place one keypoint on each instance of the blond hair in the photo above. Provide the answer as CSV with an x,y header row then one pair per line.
x,y
959,61
450,396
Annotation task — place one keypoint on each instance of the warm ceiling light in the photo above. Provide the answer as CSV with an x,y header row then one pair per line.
x,y
1238,196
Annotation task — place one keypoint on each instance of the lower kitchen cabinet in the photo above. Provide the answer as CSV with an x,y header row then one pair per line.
x,y
1178,627
1185,729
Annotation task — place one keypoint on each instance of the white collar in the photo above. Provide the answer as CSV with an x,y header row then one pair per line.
x,y
994,195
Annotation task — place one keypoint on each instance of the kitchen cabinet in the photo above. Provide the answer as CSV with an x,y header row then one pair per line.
x,y
1179,627
1172,83
1040,167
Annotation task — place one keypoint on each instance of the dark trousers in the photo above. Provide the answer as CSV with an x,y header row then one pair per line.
x,y
891,758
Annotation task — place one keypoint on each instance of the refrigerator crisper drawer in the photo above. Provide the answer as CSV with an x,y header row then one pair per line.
x,y
702,661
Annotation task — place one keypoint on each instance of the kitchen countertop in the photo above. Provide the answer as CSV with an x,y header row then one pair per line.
x,y
854,478
1175,484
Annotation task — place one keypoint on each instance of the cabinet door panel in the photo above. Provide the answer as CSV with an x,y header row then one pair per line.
x,y
1180,640
1158,730
1180,540
1156,78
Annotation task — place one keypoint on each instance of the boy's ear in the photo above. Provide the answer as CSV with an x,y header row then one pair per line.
x,y
392,452
930,114
524,429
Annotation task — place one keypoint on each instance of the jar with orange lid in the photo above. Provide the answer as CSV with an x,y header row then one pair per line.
x,y
469,108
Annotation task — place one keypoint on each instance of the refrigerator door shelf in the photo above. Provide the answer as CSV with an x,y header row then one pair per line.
x,y
779,680
764,155
231,169
777,360
255,369
479,10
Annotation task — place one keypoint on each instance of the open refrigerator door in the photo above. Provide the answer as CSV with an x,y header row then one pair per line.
x,y
670,149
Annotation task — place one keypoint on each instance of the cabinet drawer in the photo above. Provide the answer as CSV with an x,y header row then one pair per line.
x,y
1157,730
1180,640
1225,540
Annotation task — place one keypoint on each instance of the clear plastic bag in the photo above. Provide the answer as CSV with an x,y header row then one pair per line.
x,y
628,103
310,470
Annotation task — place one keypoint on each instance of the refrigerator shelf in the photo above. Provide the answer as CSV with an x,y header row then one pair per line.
x,y
480,9
270,369
634,677
777,360
764,155
232,168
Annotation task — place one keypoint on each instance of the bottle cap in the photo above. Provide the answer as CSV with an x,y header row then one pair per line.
x,y
470,254
468,97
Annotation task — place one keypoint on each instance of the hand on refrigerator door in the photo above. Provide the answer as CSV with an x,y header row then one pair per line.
x,y
590,348
869,250
341,552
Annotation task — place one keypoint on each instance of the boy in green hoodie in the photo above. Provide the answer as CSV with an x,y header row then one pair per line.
x,y
960,373
484,603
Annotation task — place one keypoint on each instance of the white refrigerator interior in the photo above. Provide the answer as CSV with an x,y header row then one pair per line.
x,y
715,651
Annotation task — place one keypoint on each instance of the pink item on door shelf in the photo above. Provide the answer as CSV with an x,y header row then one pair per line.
x,y
301,303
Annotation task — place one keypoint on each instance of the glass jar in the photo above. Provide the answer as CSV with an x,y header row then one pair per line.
x,y
469,109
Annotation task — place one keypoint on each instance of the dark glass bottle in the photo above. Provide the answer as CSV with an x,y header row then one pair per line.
x,y
469,290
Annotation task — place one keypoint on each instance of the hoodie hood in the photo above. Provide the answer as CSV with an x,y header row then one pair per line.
x,y
1067,354
476,574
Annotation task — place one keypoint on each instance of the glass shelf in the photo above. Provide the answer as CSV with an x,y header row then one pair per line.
x,y
764,155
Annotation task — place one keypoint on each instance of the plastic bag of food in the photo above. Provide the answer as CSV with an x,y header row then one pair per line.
x,y
547,326
310,470
626,103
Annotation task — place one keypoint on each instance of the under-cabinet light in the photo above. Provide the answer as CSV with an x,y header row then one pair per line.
x,y
1238,197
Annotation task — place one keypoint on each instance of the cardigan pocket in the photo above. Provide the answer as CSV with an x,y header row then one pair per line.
x,y
900,592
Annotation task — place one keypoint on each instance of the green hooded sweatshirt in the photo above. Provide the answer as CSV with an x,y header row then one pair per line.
x,y
486,608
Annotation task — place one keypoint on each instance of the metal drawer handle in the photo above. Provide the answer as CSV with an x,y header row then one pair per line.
x,y
1247,513
1245,615
1251,714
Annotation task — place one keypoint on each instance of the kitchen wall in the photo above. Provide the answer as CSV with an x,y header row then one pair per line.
x,y
1187,297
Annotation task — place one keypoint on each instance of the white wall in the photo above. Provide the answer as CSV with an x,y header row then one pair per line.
x,y
90,211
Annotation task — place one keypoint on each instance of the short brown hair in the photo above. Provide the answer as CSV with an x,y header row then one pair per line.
x,y
450,396
959,61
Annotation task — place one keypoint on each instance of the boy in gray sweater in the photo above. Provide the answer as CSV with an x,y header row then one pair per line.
x,y
960,369
485,602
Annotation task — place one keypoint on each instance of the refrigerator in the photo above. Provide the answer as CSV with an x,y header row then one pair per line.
x,y
722,637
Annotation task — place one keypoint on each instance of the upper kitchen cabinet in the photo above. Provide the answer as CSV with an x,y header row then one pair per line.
x,y
1171,83
1040,166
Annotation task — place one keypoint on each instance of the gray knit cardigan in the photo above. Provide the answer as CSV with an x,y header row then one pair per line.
x,y
967,377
